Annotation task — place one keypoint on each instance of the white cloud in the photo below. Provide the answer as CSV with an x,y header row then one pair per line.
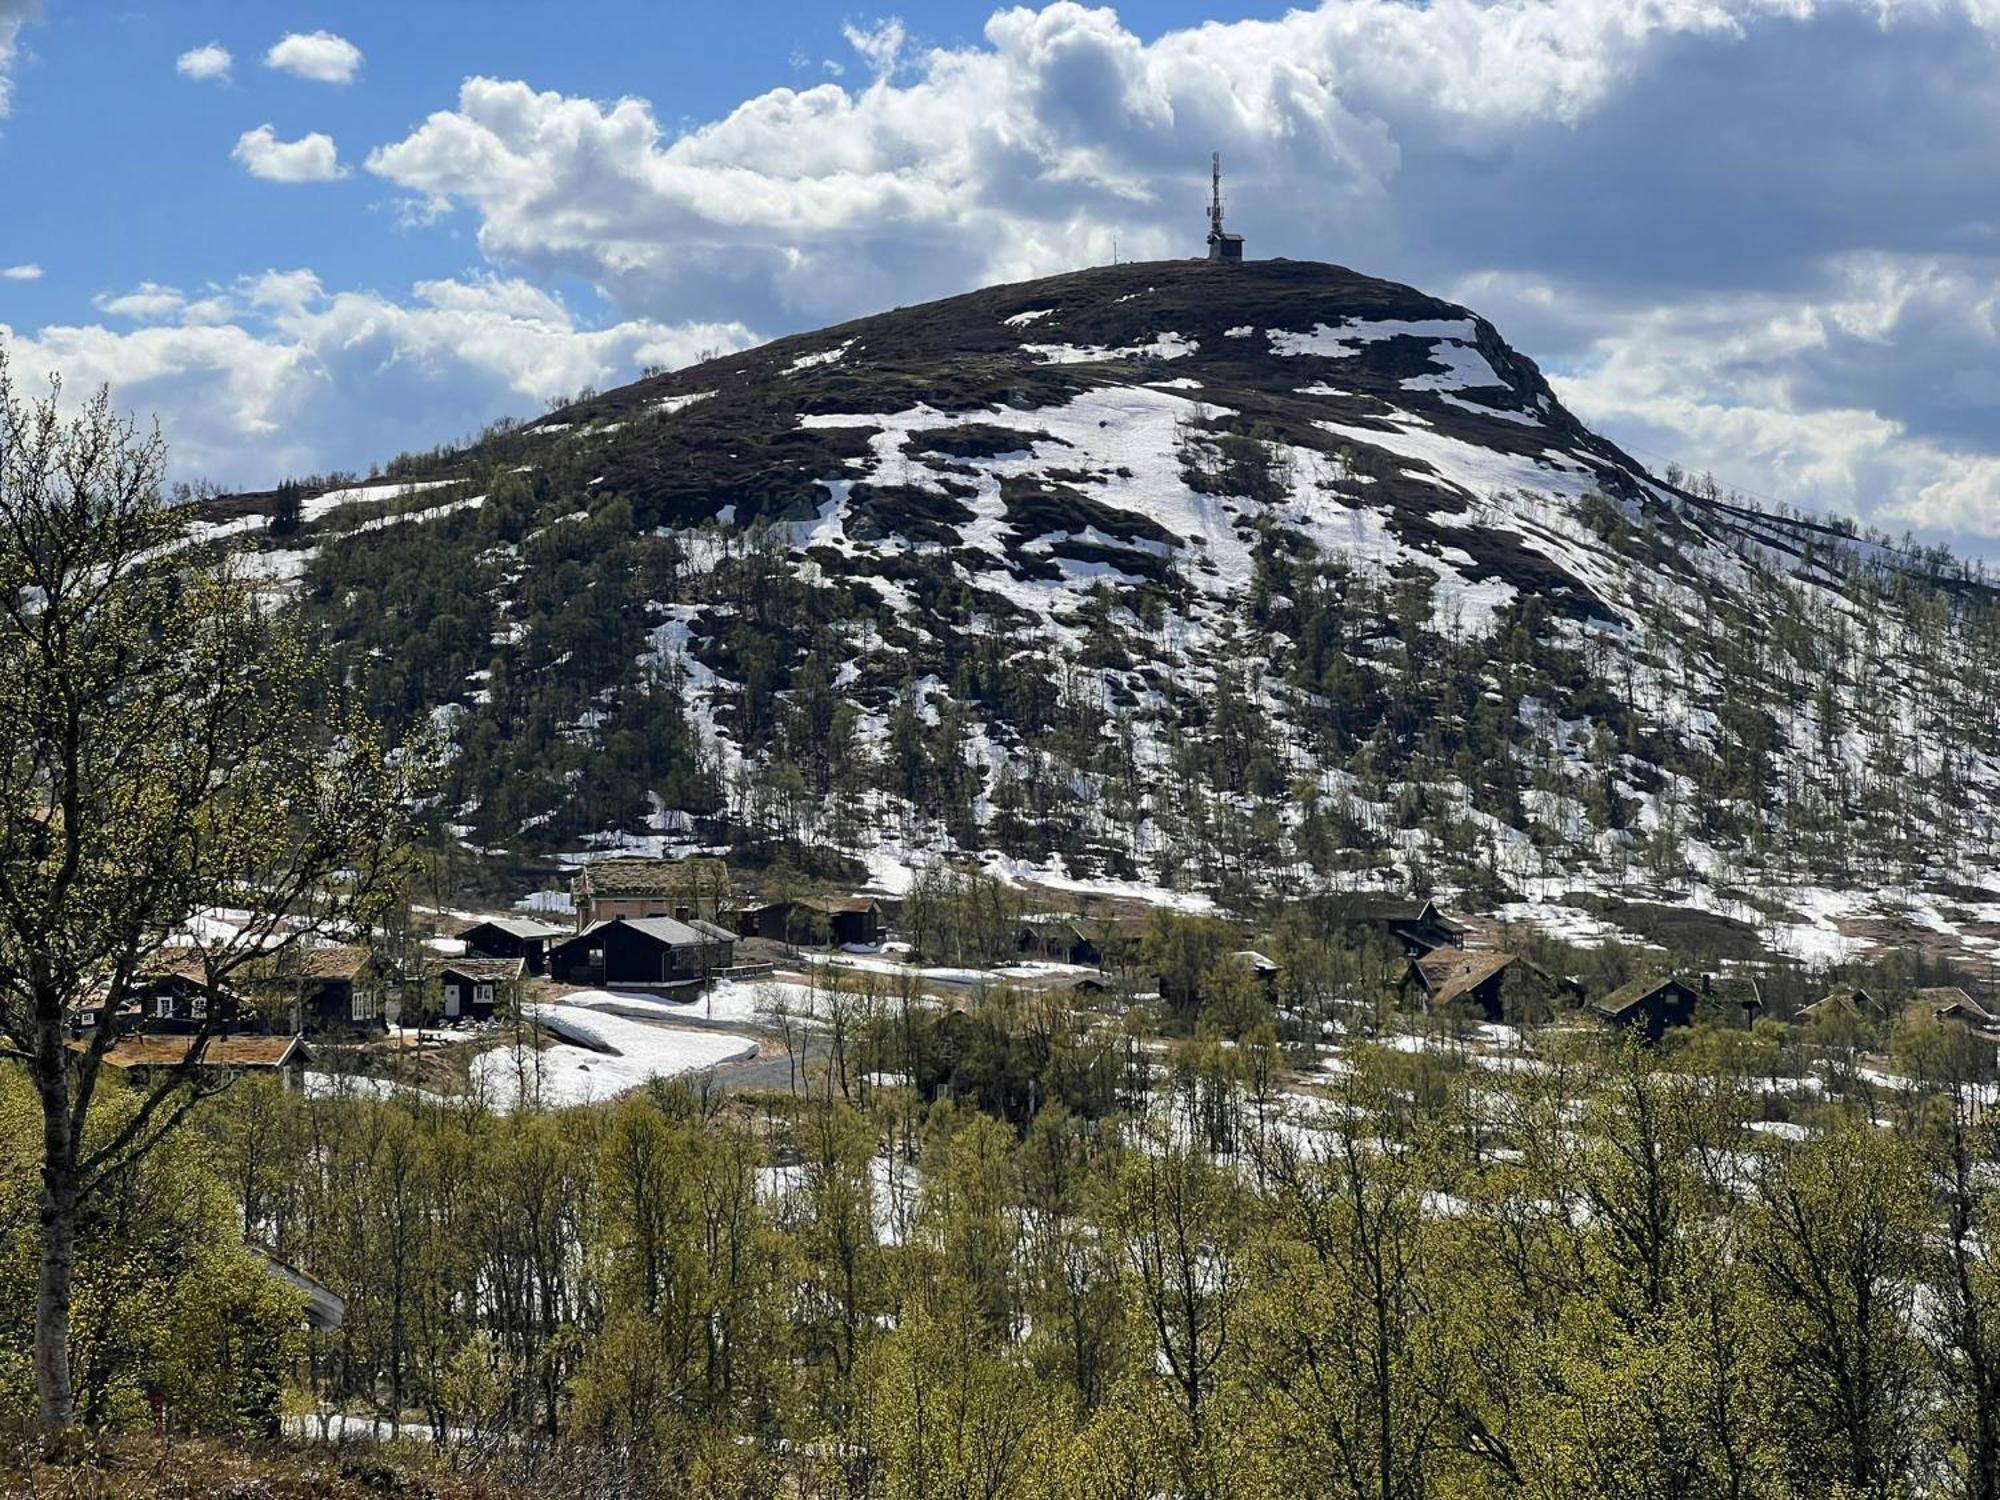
x,y
146,302
318,55
1595,144
1817,398
207,63
880,45
28,271
275,375
14,14
310,158
1021,155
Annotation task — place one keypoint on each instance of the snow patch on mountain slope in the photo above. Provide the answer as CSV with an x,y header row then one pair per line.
x,y
1166,346
823,357
1344,340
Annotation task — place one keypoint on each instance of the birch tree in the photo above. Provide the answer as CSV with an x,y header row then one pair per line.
x,y
158,763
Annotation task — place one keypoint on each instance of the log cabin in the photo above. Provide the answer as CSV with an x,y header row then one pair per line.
x,y
513,937
651,953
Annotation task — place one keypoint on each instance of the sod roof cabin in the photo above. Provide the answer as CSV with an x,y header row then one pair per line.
x,y
1495,986
172,994
1650,1005
1951,1006
1849,1001
467,988
811,921
328,988
1418,927
678,888
284,1055
1057,940
1653,1003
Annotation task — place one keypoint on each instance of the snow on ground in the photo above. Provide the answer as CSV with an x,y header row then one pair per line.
x,y
598,1056
427,513
672,404
1344,340
895,1188
1056,877
1023,319
1464,368
824,357
279,567
362,494
358,1086
738,1002
1166,346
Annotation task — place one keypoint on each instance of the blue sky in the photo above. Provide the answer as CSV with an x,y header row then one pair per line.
x,y
1757,236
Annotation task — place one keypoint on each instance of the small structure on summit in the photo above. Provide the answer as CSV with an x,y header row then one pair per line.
x,y
1221,244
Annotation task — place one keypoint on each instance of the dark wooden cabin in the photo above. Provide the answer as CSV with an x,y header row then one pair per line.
x,y
1736,998
1492,985
1057,940
471,989
1852,1002
513,937
320,990
173,996
1650,1005
807,921
1417,927
1948,1005
657,953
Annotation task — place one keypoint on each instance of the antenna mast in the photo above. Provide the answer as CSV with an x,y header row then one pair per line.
x,y
1222,245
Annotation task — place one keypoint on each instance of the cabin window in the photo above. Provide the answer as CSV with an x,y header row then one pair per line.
x,y
361,1007
482,994
198,1007
163,1007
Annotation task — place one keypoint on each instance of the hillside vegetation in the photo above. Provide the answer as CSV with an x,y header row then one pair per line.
x,y
1239,580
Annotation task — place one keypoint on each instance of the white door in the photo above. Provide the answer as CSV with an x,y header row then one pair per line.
x,y
451,1000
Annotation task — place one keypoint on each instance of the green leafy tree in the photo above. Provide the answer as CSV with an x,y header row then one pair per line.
x,y
156,764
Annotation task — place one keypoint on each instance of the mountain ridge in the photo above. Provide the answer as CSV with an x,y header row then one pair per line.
x,y
1241,578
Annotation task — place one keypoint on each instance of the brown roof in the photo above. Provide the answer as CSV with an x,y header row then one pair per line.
x,y
480,970
1853,999
630,877
1949,1000
1451,973
175,961
826,904
342,961
249,1050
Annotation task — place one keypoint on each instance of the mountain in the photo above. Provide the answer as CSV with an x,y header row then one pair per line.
x,y
1239,580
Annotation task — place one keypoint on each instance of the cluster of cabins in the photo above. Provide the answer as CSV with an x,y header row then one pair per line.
x,y
638,925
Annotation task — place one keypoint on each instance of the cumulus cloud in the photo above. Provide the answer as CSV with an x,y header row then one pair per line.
x,y
1709,158
310,158
276,375
1870,393
27,271
320,56
208,63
